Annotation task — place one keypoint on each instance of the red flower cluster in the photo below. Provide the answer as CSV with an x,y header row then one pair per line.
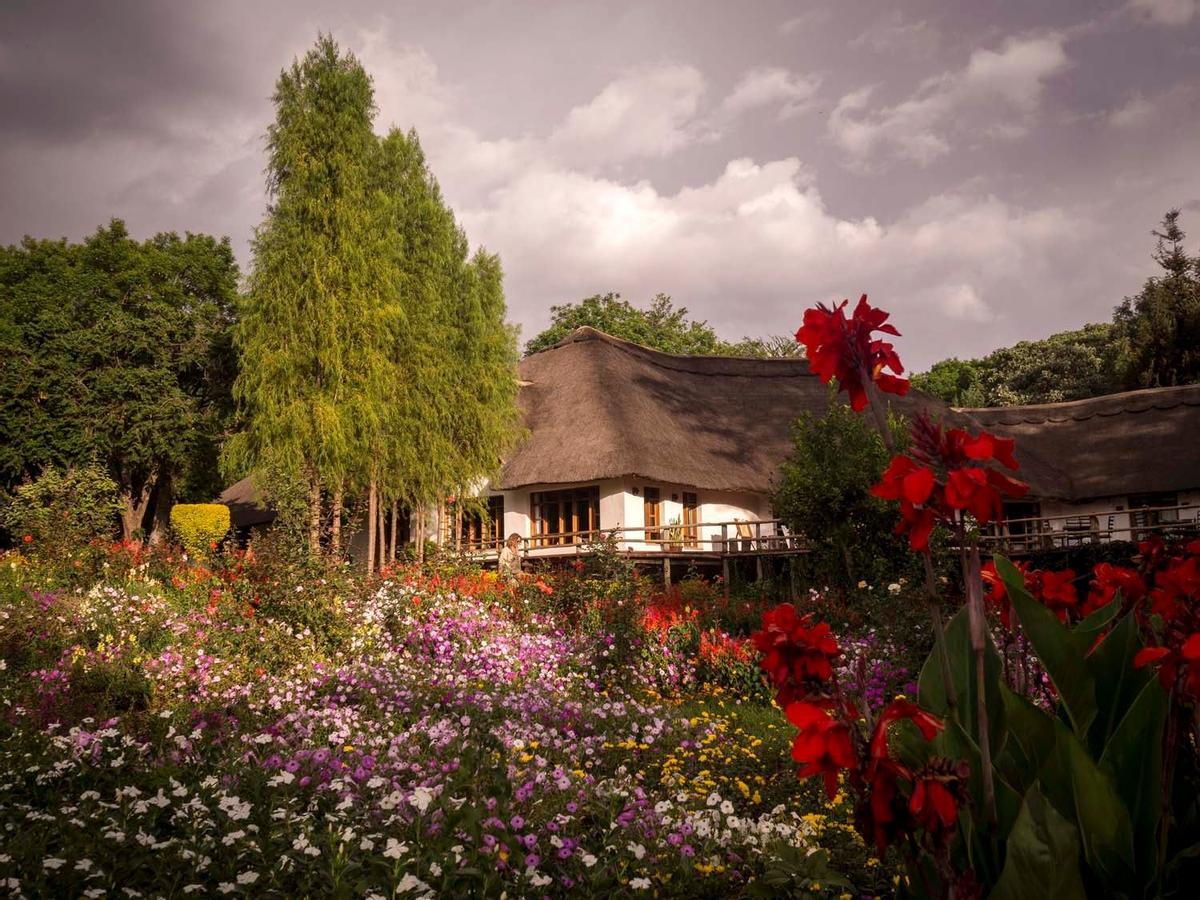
x,y
844,349
1172,621
892,799
796,654
948,472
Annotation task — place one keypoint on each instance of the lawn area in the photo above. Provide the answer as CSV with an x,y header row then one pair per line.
x,y
264,729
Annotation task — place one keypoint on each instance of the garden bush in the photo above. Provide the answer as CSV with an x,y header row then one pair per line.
x,y
62,510
200,526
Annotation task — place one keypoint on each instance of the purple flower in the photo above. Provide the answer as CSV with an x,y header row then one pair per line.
x,y
532,860
517,823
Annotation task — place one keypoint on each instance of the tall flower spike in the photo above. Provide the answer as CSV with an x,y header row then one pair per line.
x,y
845,349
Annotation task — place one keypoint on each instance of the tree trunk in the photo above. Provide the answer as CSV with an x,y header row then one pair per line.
x,y
458,520
163,501
335,521
372,525
395,529
135,504
314,512
382,535
420,534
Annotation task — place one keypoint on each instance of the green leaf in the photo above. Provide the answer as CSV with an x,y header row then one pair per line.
x,y
1042,855
1118,683
1133,757
1075,784
1030,740
1061,652
932,690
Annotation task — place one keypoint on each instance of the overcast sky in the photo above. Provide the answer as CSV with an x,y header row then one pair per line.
x,y
987,170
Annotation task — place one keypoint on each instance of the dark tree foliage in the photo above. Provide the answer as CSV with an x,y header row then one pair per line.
x,y
117,351
661,326
824,493
1161,325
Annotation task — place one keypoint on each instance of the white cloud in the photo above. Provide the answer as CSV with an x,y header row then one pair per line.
x,y
995,93
1165,12
770,86
1133,112
894,33
963,302
649,113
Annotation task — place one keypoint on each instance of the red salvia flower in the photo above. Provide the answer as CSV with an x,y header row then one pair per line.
x,y
795,651
844,349
823,746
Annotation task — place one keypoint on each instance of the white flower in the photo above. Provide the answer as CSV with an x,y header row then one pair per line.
x,y
395,849
53,862
640,884
589,860
539,880
192,888
726,807
893,588
366,844
247,877
226,887
637,850
435,870
421,798
411,882
83,865
713,799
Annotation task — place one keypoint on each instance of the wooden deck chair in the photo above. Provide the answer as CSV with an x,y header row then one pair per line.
x,y
745,536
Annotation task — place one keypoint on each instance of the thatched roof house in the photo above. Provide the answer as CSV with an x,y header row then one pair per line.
x,y
664,448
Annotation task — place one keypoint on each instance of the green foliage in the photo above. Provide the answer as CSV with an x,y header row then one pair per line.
x,y
661,326
1070,365
117,351
62,510
1161,325
824,493
200,526
1079,789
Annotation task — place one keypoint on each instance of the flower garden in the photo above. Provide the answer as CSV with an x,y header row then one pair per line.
x,y
271,722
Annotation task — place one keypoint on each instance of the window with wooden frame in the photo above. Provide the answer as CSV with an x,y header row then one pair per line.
x,y
479,532
691,518
652,513
570,516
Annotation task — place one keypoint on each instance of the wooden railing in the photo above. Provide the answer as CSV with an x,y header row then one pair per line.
x,y
754,537
1036,533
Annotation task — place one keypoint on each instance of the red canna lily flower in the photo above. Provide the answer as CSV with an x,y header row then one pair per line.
x,y
823,746
939,790
901,710
1056,591
844,349
1109,580
796,652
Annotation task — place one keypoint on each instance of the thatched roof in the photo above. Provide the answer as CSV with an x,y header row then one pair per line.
x,y
244,506
598,407
1131,443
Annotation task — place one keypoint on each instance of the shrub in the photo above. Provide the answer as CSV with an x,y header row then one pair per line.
x,y
62,510
200,526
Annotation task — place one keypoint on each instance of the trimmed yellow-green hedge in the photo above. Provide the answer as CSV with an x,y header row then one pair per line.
x,y
200,525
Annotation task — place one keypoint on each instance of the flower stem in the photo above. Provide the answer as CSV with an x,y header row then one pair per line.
x,y
978,627
939,632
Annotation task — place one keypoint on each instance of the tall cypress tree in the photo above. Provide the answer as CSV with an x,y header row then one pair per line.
x,y
307,388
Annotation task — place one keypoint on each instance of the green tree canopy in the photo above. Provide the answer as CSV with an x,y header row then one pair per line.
x,y
1161,325
824,493
117,351
661,326
1070,365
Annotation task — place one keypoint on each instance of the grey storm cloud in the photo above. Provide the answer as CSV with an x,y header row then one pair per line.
x,y
988,171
